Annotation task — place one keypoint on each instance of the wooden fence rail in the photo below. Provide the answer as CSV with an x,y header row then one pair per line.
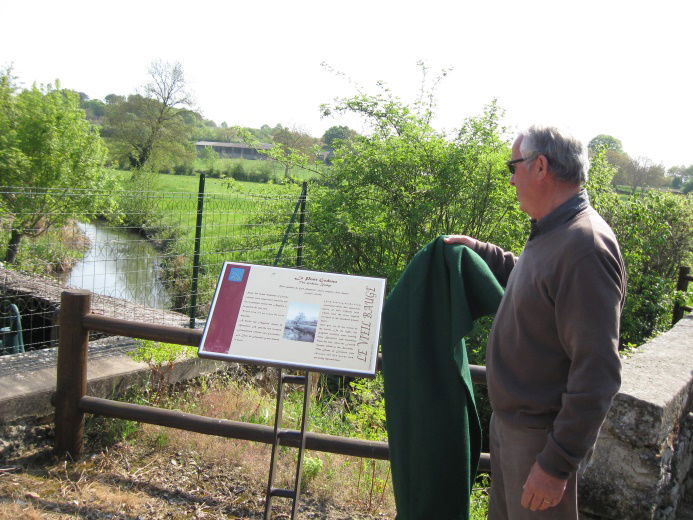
x,y
71,401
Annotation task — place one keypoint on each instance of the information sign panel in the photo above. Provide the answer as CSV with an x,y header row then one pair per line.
x,y
317,321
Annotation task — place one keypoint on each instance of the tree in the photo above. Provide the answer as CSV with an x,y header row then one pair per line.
x,y
152,126
641,172
95,109
209,158
681,175
604,141
636,172
337,132
292,142
688,187
113,99
621,161
49,152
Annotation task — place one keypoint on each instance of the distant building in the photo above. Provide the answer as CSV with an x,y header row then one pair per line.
x,y
244,151
234,150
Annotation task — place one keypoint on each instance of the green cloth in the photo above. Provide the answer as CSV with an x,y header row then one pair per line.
x,y
433,428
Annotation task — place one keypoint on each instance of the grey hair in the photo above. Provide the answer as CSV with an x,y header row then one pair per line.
x,y
565,154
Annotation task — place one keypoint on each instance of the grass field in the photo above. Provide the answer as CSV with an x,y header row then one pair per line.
x,y
242,222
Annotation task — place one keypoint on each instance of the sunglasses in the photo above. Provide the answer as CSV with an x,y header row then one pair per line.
x,y
511,164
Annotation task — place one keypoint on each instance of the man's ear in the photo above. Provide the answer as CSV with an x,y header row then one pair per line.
x,y
542,167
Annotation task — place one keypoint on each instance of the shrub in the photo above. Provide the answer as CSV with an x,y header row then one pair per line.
x,y
654,230
389,194
183,169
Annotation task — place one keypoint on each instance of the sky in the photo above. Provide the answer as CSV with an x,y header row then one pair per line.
x,y
613,67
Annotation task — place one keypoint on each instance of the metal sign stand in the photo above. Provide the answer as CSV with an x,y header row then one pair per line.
x,y
280,434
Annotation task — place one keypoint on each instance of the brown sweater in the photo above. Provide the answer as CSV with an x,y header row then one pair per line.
x,y
552,359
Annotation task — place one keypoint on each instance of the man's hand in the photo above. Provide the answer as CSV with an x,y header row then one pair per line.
x,y
460,239
541,490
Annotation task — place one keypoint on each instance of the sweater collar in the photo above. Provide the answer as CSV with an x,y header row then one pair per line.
x,y
560,215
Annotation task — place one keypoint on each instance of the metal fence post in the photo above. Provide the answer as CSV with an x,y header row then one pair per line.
x,y
71,383
300,203
681,285
301,225
196,254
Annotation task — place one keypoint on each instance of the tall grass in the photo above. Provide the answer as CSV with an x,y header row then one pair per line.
x,y
365,485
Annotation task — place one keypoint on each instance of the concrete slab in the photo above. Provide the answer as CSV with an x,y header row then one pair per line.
x,y
27,381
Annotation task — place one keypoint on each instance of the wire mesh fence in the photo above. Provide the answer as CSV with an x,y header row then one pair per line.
x,y
145,255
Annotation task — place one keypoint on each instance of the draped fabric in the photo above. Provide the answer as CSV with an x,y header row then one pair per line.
x,y
433,428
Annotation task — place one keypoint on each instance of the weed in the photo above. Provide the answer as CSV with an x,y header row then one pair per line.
x,y
162,440
479,500
160,357
105,431
312,466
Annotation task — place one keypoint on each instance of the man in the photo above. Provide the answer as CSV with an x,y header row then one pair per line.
x,y
552,358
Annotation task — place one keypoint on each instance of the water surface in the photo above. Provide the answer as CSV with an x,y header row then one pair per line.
x,y
121,264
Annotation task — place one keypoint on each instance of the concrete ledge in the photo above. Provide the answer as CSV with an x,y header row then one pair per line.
x,y
27,383
641,467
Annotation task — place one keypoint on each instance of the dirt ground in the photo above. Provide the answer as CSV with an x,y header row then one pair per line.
x,y
131,472
142,479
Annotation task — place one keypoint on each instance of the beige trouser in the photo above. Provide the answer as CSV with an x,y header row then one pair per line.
x,y
513,451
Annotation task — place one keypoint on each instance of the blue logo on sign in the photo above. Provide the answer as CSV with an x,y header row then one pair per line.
x,y
236,274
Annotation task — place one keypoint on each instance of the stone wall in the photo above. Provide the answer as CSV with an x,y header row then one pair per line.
x,y
643,461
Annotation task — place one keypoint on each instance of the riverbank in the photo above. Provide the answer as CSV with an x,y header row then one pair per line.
x,y
53,253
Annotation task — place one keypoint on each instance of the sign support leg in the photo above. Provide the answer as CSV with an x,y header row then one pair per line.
x,y
280,434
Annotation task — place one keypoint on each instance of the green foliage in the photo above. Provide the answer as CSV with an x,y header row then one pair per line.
x,y
160,354
637,172
390,193
312,466
94,109
152,130
162,440
105,431
208,157
292,148
654,231
54,252
337,133
366,408
142,212
240,169
48,148
160,357
479,499
604,142
688,187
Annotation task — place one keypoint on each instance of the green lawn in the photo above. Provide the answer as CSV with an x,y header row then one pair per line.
x,y
242,222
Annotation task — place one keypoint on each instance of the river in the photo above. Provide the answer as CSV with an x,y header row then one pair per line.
x,y
121,264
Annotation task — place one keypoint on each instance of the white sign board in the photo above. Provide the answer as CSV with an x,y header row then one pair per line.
x,y
312,320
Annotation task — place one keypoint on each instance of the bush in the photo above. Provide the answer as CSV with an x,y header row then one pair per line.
x,y
653,229
389,194
183,169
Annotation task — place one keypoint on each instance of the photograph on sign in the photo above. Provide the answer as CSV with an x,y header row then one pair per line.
x,y
312,320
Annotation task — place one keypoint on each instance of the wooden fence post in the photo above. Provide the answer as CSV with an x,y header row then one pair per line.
x,y
71,383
